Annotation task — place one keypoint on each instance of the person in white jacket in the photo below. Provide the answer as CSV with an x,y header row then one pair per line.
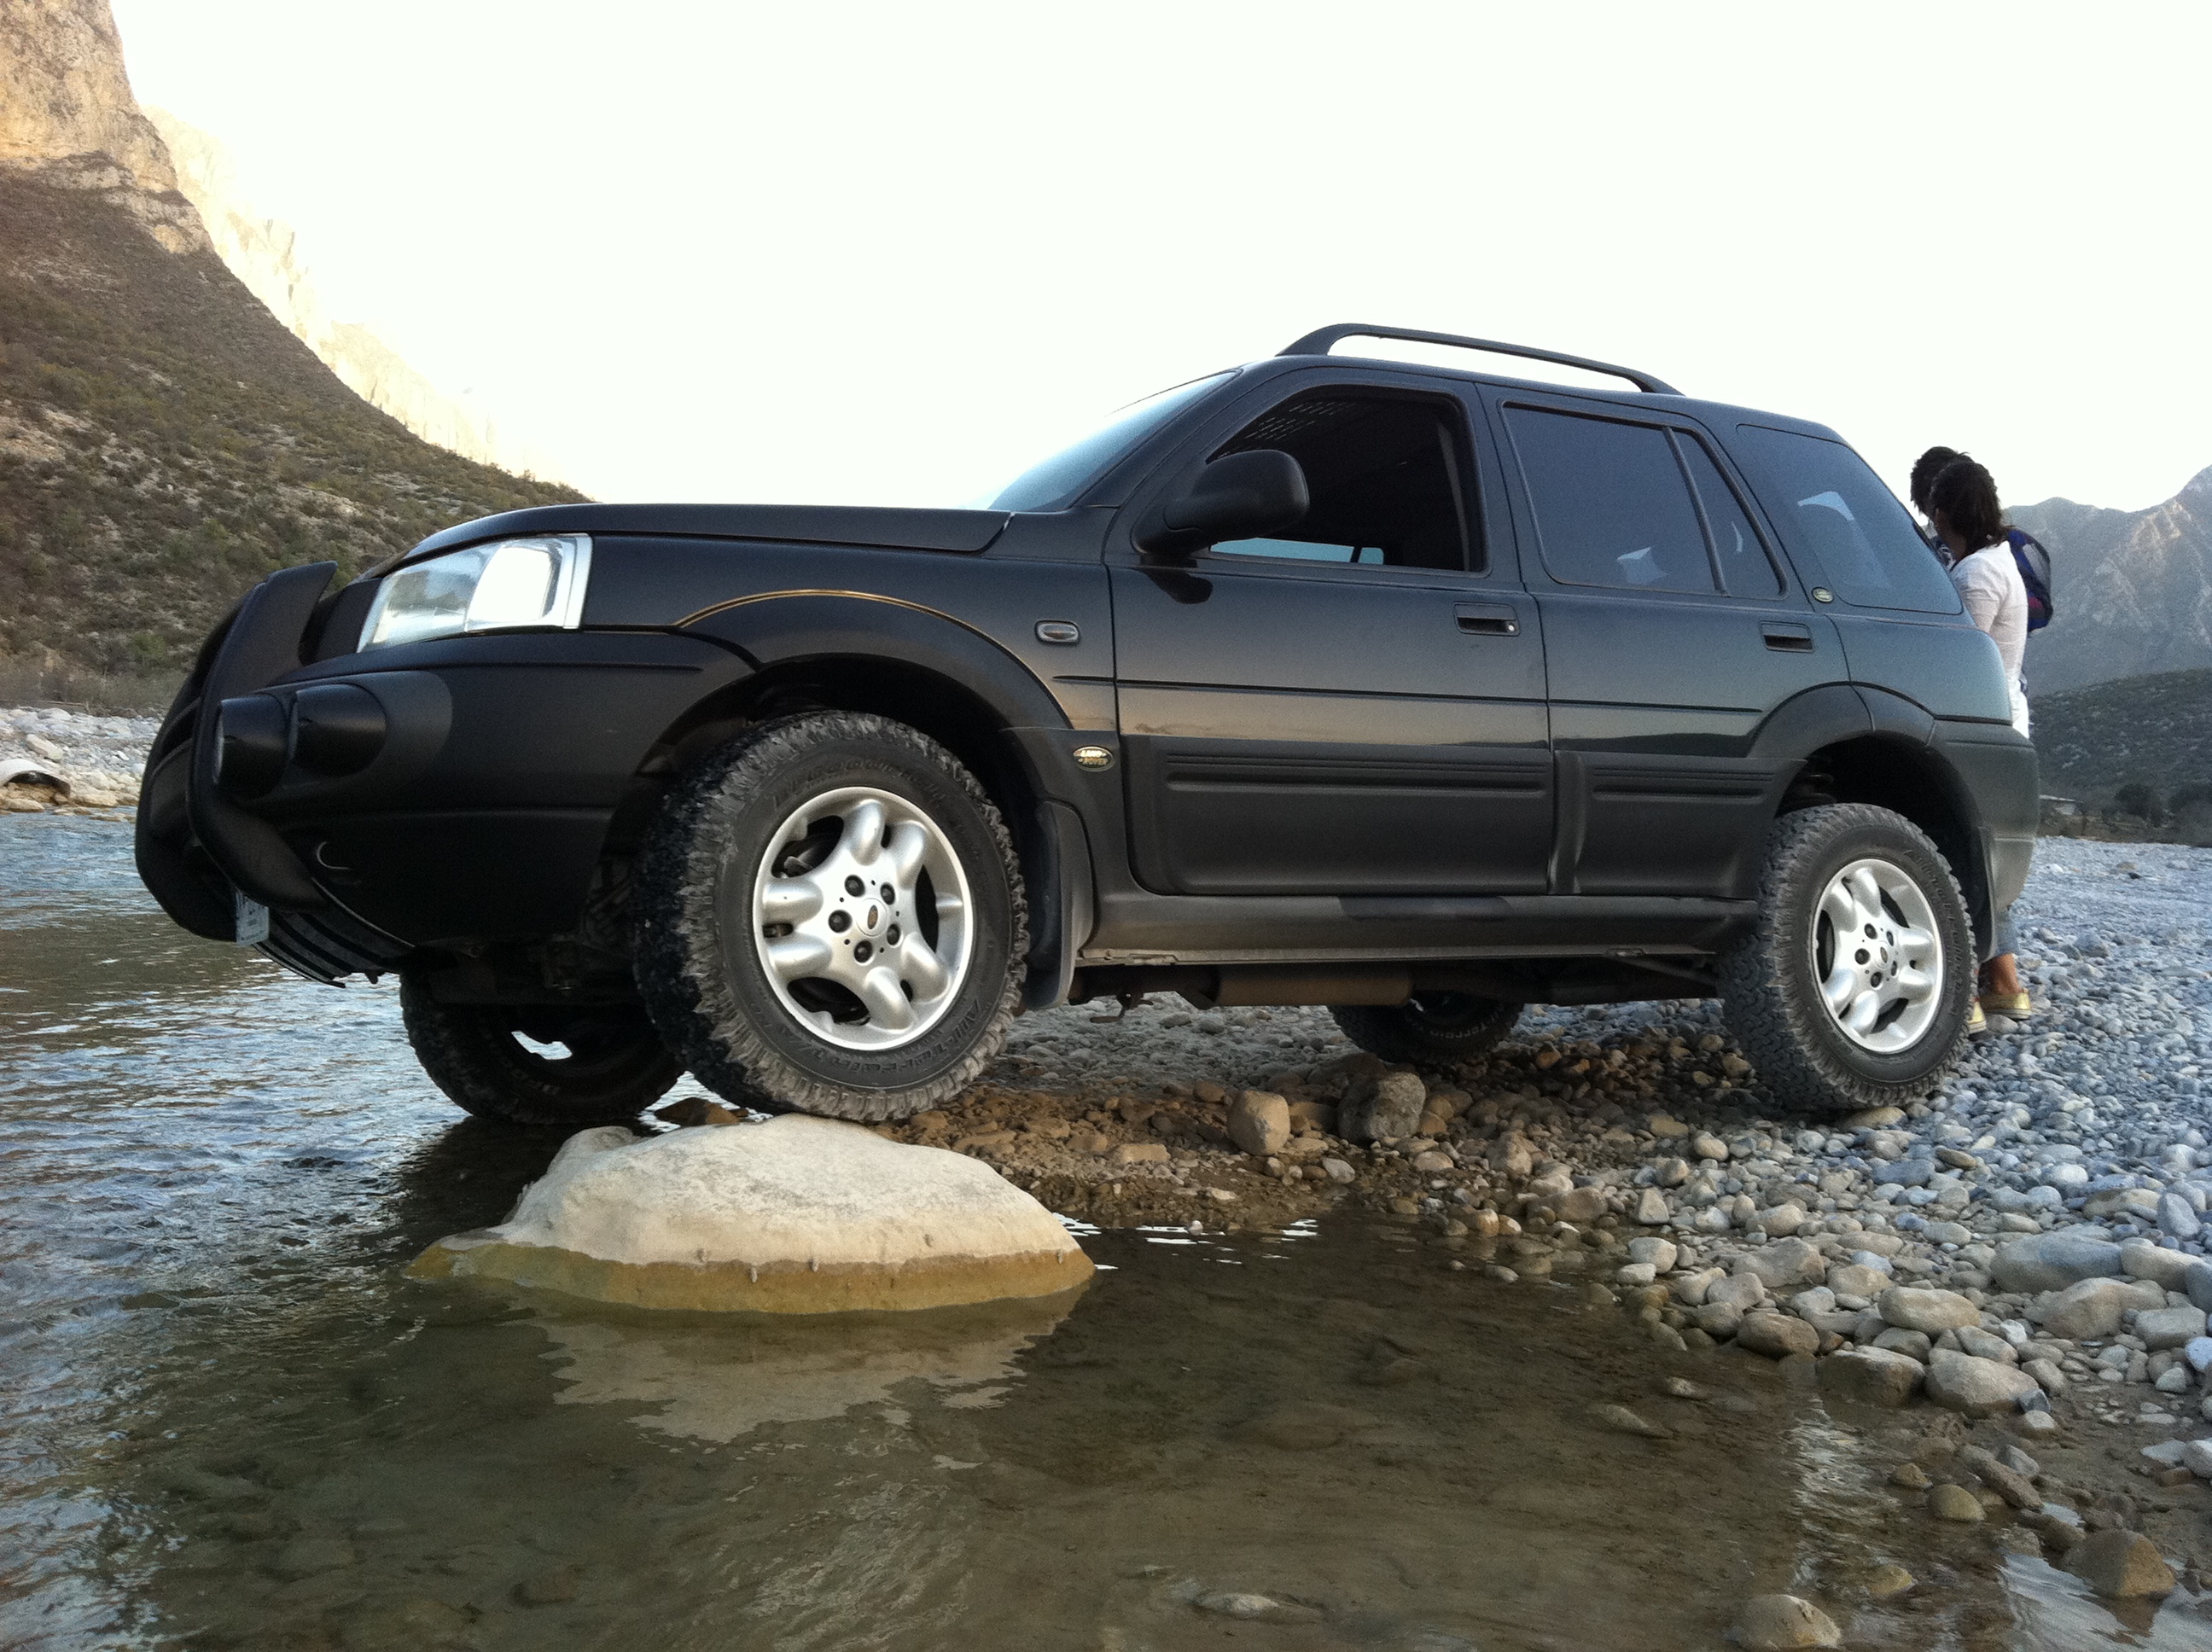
x,y
1962,504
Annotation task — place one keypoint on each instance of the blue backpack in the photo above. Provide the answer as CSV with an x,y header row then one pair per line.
x,y
2034,564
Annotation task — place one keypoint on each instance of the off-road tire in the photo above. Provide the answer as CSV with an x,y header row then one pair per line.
x,y
1435,1030
705,987
1769,989
616,1066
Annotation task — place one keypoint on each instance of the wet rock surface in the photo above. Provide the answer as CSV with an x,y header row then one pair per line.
x,y
792,1215
1774,1623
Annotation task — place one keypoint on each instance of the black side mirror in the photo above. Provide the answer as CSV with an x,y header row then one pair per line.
x,y
1237,496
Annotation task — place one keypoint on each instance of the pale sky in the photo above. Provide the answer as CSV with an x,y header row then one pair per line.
x,y
881,254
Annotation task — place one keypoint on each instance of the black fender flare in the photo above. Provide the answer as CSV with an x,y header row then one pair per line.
x,y
1910,722
777,628
1837,713
1893,714
1795,730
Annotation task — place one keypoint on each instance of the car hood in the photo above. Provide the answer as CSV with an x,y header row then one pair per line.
x,y
828,525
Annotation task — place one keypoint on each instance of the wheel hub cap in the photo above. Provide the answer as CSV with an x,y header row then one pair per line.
x,y
1877,957
861,914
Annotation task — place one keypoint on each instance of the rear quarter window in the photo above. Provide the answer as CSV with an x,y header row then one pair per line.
x,y
1822,496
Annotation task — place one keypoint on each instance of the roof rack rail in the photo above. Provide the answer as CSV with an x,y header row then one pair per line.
x,y
1319,343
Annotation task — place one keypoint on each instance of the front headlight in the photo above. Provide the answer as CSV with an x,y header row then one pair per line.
x,y
507,585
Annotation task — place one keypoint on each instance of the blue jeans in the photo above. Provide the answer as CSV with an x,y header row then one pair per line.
x,y
2006,937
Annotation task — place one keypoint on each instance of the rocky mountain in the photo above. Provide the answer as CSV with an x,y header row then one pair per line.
x,y
265,253
164,442
2152,731
2134,589
67,116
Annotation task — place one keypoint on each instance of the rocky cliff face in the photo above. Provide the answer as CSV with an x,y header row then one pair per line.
x,y
68,120
64,94
163,442
265,253
2134,589
67,116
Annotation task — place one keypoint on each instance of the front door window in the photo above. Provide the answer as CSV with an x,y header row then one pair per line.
x,y
1385,475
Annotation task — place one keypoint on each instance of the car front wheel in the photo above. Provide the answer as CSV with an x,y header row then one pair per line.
x,y
829,919
1853,990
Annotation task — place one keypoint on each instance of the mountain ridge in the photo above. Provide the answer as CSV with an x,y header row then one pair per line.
x,y
2133,588
263,251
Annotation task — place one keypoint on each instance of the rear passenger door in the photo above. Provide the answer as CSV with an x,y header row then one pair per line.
x,y
1672,632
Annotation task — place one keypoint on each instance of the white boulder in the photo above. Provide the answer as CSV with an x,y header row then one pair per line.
x,y
799,1215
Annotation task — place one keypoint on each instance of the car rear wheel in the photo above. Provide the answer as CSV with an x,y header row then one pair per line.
x,y
529,1063
830,920
1854,989
1437,1029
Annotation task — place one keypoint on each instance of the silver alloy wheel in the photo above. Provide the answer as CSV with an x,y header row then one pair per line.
x,y
1877,957
861,914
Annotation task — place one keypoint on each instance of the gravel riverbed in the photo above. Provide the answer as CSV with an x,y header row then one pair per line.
x,y
2022,1258
99,759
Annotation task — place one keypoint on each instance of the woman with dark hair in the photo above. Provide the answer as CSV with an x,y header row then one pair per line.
x,y
1925,469
1962,503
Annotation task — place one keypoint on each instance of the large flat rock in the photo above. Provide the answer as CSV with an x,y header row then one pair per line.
x,y
799,1215
2053,1260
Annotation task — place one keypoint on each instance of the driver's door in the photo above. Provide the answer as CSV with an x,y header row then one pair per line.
x,y
1356,706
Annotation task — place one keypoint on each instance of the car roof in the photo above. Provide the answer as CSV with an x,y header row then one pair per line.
x,y
1113,485
1718,414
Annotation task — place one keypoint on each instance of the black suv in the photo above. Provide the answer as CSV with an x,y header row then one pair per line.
x,y
1416,693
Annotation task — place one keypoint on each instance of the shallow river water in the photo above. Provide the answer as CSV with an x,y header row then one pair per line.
x,y
229,1420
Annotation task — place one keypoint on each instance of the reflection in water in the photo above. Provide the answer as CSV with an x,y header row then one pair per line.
x,y
230,1421
2052,1611
715,1380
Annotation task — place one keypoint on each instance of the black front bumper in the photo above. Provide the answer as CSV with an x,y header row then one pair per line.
x,y
477,813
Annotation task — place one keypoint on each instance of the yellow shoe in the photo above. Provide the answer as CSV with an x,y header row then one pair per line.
x,y
2013,1005
1976,1023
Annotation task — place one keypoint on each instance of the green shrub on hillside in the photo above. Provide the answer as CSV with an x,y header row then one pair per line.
x,y
2152,731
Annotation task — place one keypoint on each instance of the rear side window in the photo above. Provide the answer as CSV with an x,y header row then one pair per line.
x,y
1746,568
1823,495
1612,505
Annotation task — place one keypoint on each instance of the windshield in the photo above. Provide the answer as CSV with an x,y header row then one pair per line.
x,y
1050,485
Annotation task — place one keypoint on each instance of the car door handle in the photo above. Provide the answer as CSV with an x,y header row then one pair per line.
x,y
1489,619
1788,639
